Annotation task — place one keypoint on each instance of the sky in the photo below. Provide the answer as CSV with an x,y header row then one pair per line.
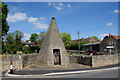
x,y
89,18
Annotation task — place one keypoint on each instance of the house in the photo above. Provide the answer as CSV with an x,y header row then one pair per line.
x,y
89,40
94,46
29,43
110,44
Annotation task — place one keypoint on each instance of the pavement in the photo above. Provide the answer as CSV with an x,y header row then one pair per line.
x,y
52,72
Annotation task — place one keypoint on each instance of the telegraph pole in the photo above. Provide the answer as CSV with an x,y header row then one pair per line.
x,y
79,42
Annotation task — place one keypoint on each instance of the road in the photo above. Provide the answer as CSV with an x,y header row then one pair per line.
x,y
100,74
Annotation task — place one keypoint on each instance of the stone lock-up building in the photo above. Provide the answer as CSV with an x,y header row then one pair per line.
x,y
53,51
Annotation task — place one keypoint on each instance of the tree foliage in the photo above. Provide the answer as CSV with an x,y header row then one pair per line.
x,y
5,27
18,35
95,38
75,45
8,44
13,42
66,37
34,37
40,38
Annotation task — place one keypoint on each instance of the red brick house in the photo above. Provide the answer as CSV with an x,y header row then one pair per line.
x,y
89,40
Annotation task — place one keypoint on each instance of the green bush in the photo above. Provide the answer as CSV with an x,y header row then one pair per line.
x,y
30,49
26,49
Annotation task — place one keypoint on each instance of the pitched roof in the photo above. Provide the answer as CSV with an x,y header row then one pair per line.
x,y
29,42
116,37
77,40
107,37
84,39
94,43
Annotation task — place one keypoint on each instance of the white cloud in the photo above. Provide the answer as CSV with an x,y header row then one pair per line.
x,y
26,36
68,5
102,36
109,24
49,4
39,25
116,11
42,18
59,6
32,19
16,17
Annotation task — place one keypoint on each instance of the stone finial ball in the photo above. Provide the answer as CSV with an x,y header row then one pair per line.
x,y
53,18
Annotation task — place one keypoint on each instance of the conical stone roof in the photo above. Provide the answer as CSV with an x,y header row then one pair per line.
x,y
52,41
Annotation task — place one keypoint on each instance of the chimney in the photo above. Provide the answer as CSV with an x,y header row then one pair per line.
x,y
110,34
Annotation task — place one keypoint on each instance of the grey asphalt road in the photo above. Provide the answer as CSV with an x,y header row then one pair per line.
x,y
100,74
111,74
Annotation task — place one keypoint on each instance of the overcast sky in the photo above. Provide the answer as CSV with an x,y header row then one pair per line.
x,y
89,18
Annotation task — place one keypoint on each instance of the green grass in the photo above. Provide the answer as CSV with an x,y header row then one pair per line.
x,y
76,54
72,53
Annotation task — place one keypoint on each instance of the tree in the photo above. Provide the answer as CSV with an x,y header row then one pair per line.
x,y
8,47
95,38
18,35
74,45
66,37
40,38
5,27
13,42
34,37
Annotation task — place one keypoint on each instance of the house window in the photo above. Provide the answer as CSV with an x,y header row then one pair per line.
x,y
113,50
112,43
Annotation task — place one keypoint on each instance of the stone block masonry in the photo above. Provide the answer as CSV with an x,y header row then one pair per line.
x,y
22,61
79,59
95,60
17,62
28,59
103,60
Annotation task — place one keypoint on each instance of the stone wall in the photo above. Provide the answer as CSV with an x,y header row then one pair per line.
x,y
80,59
28,59
21,61
103,60
95,60
6,60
